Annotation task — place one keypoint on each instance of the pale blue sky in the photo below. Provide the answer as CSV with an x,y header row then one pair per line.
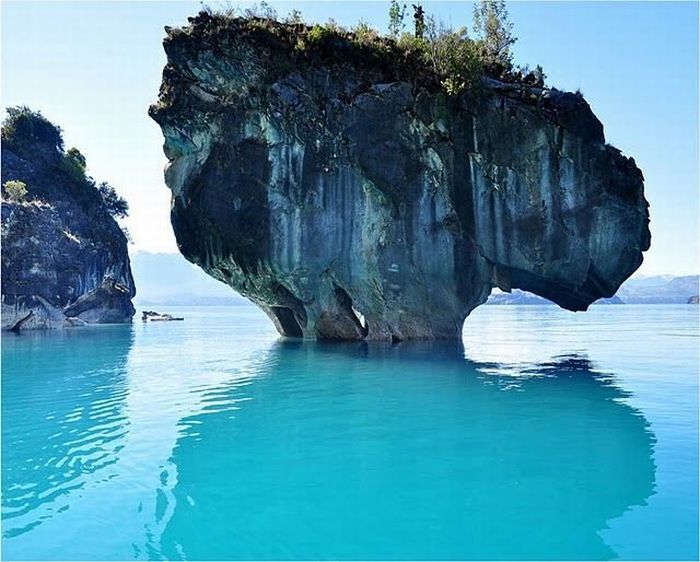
x,y
94,67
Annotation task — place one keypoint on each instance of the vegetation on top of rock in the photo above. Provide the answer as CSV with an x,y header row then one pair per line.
x,y
397,13
116,205
74,164
33,137
24,128
434,53
454,58
77,156
494,31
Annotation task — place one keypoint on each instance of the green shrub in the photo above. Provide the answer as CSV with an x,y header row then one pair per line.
x,y
454,58
15,190
539,76
222,9
76,155
116,205
73,163
409,42
23,128
319,34
364,33
262,10
294,18
334,27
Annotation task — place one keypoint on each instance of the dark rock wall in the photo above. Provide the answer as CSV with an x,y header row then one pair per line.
x,y
64,258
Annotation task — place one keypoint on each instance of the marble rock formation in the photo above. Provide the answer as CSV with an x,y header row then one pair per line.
x,y
351,199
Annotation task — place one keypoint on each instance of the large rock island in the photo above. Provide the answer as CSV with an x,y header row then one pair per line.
x,y
340,188
64,257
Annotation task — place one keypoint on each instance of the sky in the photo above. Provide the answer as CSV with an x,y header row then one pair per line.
x,y
94,68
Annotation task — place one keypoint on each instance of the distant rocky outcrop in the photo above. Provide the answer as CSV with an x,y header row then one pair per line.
x,y
694,300
64,257
351,198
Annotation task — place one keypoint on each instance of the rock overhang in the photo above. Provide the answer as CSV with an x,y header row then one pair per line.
x,y
329,191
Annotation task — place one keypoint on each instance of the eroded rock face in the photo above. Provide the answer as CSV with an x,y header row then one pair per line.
x,y
349,202
64,258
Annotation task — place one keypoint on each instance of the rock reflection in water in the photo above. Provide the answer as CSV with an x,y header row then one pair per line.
x,y
409,451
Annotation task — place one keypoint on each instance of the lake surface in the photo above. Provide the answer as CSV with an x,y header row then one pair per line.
x,y
546,435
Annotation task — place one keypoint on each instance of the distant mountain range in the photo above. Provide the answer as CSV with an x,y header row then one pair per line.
x,y
657,289
169,279
518,297
662,289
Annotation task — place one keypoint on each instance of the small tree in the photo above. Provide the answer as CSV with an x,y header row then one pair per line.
x,y
397,12
294,17
364,33
74,163
15,190
495,30
540,76
454,58
77,156
262,10
419,20
225,9
319,35
116,205
127,234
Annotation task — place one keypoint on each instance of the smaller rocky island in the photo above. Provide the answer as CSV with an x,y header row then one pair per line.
x,y
153,316
64,256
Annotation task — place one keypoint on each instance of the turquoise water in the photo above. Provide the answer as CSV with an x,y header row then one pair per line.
x,y
547,435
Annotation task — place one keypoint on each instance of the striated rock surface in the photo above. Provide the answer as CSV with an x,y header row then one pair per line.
x,y
64,258
351,199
